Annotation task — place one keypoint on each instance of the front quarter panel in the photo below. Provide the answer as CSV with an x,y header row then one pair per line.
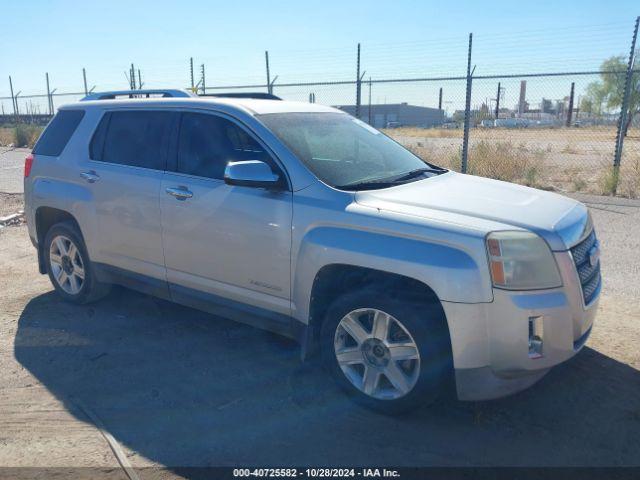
x,y
450,261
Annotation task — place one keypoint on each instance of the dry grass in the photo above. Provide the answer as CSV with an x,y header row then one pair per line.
x,y
20,136
627,178
502,161
7,136
564,159
424,132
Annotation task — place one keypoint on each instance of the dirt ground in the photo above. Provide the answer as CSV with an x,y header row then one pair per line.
x,y
175,387
11,203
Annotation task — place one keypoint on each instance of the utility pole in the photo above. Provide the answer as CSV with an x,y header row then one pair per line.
x,y
204,88
358,84
49,93
440,99
191,71
266,60
467,110
498,102
570,112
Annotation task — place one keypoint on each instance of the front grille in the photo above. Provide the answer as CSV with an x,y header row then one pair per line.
x,y
589,274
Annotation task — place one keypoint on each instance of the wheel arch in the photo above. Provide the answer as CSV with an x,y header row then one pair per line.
x,y
45,218
333,280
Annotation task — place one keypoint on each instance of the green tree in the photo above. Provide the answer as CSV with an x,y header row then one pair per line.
x,y
608,92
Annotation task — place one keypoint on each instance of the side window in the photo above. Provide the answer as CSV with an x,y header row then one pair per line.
x,y
97,141
137,138
58,132
208,142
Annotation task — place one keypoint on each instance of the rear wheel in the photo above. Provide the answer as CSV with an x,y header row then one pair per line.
x,y
69,267
387,354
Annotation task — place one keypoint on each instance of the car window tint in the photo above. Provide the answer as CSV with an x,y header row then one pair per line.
x,y
96,146
58,132
208,142
137,138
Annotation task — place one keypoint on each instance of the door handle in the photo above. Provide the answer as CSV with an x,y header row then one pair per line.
x,y
180,193
91,176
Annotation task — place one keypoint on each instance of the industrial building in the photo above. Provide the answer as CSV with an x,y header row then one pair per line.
x,y
397,115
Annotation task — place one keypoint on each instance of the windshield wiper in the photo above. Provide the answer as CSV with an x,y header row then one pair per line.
x,y
387,182
417,172
367,185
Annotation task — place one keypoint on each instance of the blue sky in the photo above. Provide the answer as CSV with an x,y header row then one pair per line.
x,y
307,40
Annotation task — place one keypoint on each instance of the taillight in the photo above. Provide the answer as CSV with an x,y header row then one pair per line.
x,y
28,163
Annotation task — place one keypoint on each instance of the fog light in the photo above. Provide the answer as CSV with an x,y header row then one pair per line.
x,y
536,336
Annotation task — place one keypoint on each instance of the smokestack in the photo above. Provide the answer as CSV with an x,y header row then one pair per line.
x,y
523,97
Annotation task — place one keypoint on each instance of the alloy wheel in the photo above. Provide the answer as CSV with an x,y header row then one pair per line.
x,y
377,354
66,264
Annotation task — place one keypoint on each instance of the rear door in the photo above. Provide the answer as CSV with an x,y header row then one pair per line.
x,y
128,156
228,244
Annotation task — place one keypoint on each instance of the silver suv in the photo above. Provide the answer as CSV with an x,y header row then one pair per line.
x,y
298,218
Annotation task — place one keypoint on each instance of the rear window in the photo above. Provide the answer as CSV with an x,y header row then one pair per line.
x,y
58,132
135,138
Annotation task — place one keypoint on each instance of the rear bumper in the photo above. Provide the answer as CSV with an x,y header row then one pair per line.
x,y
490,341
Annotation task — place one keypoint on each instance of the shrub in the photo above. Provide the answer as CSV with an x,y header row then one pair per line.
x,y
503,161
26,135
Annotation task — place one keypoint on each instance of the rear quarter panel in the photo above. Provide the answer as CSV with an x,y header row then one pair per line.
x,y
55,181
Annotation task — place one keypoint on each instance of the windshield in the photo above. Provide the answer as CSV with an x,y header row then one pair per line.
x,y
345,152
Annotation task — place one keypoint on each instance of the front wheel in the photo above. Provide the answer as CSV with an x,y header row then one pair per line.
x,y
69,267
387,354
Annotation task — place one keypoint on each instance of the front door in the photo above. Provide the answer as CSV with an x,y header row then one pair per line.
x,y
229,244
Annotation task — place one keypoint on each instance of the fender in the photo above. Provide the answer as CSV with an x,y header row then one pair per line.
x,y
449,271
73,198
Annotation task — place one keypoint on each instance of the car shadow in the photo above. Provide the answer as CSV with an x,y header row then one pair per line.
x,y
184,388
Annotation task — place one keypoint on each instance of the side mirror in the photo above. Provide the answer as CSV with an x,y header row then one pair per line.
x,y
251,173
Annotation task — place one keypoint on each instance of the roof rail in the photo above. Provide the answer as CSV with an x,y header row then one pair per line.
x,y
164,93
255,95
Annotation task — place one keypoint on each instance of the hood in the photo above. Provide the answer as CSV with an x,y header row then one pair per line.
x,y
561,221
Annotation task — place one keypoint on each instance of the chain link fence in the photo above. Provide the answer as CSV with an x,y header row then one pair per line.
x,y
557,130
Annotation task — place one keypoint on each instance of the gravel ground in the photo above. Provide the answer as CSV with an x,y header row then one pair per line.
x,y
178,387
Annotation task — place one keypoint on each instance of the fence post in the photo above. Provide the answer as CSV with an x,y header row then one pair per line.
x,y
440,99
204,90
358,84
266,60
191,72
498,102
13,99
84,79
369,100
467,112
622,120
132,77
49,93
571,95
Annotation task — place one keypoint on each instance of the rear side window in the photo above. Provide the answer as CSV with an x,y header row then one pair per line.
x,y
58,132
208,142
135,138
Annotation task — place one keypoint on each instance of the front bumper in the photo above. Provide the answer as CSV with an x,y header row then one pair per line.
x,y
490,341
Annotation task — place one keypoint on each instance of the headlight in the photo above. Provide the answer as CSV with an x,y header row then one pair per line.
x,y
521,261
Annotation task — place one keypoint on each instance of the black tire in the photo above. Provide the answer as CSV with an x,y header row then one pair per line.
x,y
91,289
427,325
